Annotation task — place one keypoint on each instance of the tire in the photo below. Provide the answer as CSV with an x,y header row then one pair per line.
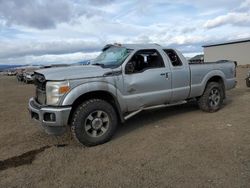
x,y
247,82
94,122
212,98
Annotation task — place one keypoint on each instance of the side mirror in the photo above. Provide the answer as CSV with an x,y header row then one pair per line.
x,y
129,68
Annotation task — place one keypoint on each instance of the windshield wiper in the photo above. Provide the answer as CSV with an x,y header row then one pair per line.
x,y
99,64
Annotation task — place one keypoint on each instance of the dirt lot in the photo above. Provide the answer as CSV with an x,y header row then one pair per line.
x,y
173,147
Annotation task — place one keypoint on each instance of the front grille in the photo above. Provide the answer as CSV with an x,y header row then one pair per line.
x,y
40,96
40,83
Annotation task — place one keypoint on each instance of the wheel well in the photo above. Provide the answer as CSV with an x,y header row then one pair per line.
x,y
104,95
219,80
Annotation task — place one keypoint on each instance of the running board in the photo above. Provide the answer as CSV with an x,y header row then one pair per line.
x,y
152,107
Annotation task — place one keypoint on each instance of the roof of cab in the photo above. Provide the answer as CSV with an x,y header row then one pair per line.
x,y
141,46
135,46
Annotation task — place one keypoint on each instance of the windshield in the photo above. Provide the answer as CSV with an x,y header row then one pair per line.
x,y
112,57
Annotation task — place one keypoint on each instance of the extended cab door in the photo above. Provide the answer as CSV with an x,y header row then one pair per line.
x,y
180,75
147,80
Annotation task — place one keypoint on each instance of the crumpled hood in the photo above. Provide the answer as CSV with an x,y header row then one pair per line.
x,y
73,72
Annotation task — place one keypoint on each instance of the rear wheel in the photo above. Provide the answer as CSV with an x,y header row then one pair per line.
x,y
94,122
212,98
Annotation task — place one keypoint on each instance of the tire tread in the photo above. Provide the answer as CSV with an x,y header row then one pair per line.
x,y
83,109
202,102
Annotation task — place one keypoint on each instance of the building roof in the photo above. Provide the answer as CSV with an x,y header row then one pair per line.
x,y
197,57
227,43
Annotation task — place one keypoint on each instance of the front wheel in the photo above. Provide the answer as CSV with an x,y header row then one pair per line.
x,y
212,98
248,82
94,122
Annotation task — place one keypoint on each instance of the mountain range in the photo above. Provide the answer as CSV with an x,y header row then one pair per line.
x,y
4,67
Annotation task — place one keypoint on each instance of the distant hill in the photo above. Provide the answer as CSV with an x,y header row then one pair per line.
x,y
6,67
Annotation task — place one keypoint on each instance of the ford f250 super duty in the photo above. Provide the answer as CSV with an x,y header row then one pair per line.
x,y
122,81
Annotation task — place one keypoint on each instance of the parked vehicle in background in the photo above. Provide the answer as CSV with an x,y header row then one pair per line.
x,y
248,79
197,59
19,75
11,73
121,82
26,74
28,77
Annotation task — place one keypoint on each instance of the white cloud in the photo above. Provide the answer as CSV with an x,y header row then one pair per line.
x,y
233,18
29,35
245,4
50,59
54,47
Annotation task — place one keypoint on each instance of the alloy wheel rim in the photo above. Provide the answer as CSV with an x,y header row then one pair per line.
x,y
97,123
214,97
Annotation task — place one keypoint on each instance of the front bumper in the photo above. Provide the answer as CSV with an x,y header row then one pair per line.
x,y
53,119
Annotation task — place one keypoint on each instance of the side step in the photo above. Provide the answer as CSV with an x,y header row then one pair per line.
x,y
152,107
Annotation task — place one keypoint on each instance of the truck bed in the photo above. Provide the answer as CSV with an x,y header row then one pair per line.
x,y
200,73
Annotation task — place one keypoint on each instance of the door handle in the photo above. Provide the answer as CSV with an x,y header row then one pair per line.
x,y
165,74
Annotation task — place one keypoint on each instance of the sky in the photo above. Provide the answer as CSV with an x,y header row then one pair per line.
x,y
68,31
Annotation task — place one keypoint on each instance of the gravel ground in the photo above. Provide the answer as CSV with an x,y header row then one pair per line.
x,y
173,147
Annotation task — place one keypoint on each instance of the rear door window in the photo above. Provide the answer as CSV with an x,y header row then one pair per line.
x,y
174,58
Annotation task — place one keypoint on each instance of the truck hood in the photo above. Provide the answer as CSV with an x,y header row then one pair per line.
x,y
73,72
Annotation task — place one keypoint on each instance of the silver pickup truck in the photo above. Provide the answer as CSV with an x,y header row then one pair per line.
x,y
121,82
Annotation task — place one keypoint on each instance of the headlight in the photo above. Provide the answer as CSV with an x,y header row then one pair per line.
x,y
55,90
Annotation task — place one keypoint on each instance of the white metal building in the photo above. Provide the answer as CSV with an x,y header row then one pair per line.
x,y
237,51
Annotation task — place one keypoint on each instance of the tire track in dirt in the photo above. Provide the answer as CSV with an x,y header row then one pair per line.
x,y
24,159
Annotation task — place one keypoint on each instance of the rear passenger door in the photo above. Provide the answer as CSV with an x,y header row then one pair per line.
x,y
180,76
149,83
